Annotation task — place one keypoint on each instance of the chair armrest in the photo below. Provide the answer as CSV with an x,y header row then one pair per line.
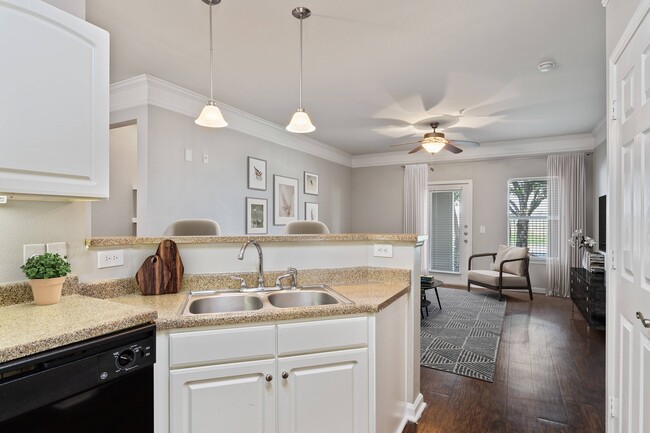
x,y
469,264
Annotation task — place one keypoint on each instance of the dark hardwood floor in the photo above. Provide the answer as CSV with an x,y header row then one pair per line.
x,y
550,377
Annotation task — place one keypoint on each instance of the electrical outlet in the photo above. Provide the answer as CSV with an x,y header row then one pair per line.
x,y
32,250
3,199
482,229
57,248
383,250
108,259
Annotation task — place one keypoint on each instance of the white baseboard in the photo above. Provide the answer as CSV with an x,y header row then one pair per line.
x,y
414,410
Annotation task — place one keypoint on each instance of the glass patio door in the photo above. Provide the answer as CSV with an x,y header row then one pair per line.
x,y
449,229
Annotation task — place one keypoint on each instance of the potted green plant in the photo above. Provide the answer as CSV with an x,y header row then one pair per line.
x,y
46,274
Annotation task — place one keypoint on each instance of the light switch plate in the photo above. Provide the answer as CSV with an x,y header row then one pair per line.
x,y
188,155
32,250
57,248
205,158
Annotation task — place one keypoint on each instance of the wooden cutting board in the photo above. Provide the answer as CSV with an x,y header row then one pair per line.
x,y
171,258
153,277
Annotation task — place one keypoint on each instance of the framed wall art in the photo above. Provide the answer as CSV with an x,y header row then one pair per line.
x,y
285,200
311,183
256,174
311,211
256,216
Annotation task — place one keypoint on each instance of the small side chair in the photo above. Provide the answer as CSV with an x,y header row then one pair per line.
x,y
509,270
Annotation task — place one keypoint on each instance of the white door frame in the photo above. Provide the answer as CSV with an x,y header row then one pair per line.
x,y
467,200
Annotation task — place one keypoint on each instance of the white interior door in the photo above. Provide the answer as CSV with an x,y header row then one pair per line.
x,y
450,230
628,279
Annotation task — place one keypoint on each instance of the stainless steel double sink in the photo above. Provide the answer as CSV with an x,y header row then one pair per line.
x,y
215,301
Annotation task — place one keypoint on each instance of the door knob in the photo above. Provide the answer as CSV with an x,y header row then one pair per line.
x,y
644,321
465,241
269,378
285,375
465,233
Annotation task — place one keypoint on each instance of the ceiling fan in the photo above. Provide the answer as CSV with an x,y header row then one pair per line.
x,y
434,142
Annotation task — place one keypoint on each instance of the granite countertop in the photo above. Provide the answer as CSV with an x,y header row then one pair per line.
x,y
26,329
367,298
338,237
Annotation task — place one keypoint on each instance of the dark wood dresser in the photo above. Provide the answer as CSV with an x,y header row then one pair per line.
x,y
589,295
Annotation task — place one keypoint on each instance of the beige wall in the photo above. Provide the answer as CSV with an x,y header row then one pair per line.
x,y
27,222
380,209
377,199
178,189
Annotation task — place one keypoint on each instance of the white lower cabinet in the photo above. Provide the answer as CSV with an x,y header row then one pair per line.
x,y
324,392
224,398
311,391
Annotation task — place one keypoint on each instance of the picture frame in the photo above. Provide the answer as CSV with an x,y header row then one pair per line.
x,y
285,200
311,211
256,216
311,183
256,174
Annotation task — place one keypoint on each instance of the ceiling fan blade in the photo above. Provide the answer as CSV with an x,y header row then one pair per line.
x,y
465,143
453,149
416,149
404,144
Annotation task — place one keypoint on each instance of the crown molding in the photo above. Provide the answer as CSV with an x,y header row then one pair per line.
x,y
493,150
145,90
600,131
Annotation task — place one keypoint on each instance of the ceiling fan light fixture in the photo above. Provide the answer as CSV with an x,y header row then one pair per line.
x,y
300,122
433,146
211,116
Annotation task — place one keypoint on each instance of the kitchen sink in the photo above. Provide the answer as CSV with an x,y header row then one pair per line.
x,y
213,301
224,303
301,298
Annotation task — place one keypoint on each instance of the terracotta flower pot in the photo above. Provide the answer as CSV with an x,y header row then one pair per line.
x,y
47,291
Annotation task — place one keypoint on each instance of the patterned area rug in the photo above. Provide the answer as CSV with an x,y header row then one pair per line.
x,y
463,337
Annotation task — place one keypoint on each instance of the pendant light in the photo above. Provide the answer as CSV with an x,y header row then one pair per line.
x,y
300,122
211,115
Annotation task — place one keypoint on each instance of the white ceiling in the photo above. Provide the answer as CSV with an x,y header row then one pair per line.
x,y
375,68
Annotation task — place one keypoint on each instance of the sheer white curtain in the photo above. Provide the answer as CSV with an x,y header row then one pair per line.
x,y
416,178
567,213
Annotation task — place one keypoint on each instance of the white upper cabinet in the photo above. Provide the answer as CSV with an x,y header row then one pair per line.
x,y
54,108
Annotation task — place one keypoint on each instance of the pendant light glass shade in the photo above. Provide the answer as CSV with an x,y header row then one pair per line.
x,y
211,116
300,123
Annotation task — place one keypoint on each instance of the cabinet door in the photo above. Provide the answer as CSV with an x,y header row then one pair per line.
x,y
223,398
324,392
54,111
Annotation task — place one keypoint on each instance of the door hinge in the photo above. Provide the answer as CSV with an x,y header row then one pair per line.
x,y
612,260
613,407
613,109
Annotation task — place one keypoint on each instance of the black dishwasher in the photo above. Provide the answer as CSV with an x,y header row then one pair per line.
x,y
100,385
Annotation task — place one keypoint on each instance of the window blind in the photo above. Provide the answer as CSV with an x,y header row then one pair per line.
x,y
528,215
444,231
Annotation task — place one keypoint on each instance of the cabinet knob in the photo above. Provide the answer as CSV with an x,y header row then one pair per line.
x,y
285,375
269,378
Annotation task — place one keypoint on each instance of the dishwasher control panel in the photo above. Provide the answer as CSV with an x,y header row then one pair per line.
x,y
127,358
